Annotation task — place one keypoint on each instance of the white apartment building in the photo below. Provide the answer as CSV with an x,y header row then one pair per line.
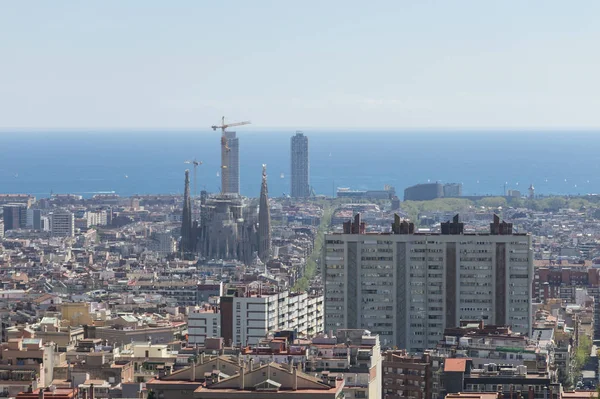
x,y
247,317
203,322
62,224
408,287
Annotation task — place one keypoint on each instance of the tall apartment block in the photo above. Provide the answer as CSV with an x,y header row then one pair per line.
x,y
62,224
233,164
407,287
300,166
15,216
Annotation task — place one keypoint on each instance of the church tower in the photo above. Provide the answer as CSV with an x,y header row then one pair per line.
x,y
187,232
264,221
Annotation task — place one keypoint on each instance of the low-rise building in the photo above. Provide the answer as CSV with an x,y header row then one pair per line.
x,y
406,376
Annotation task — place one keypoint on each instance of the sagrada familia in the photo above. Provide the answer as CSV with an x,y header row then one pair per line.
x,y
230,227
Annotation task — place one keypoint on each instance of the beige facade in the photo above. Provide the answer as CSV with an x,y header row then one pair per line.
x,y
76,313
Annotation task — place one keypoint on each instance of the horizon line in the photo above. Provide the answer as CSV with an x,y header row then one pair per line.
x,y
302,128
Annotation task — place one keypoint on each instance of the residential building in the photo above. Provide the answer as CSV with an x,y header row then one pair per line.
x,y
62,224
485,344
406,376
47,393
203,322
15,216
247,315
408,287
271,381
230,378
452,190
460,377
300,168
24,363
34,219
351,355
26,199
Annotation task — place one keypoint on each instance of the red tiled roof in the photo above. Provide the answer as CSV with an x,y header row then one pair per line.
x,y
456,365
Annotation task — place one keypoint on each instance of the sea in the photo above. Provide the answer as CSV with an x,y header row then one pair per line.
x,y
129,162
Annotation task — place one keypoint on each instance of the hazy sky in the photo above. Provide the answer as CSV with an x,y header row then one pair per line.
x,y
300,64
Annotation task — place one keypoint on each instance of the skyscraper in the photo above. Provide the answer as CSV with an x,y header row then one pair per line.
x,y
300,166
264,220
230,176
15,216
408,286
187,236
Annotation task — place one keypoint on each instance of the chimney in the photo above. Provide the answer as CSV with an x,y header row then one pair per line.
x,y
251,364
193,376
295,379
242,378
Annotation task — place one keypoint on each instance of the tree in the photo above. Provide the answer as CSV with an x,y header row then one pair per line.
x,y
555,203
492,202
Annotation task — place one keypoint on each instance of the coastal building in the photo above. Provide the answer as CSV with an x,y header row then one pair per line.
x,y
452,190
230,176
26,199
62,224
424,192
407,287
300,166
388,192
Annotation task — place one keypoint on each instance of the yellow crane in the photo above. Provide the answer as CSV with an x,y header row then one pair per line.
x,y
225,150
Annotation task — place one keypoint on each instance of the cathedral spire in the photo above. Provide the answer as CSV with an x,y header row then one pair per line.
x,y
187,236
264,221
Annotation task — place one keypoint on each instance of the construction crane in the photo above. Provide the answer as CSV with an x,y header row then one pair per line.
x,y
224,151
196,164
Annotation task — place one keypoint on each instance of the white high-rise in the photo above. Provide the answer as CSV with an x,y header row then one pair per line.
x,y
300,166
62,224
408,287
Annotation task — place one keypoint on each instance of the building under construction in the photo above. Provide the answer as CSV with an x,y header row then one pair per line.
x,y
230,228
